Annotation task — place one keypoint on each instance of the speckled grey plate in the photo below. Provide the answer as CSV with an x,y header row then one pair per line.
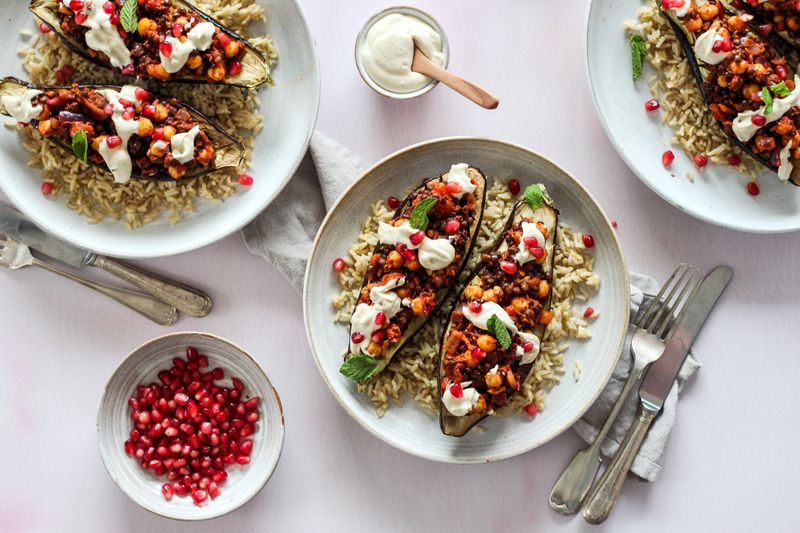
x,y
113,425
407,427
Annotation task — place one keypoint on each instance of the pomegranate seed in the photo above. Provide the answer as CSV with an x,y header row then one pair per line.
x,y
531,409
180,489
752,188
509,267
252,403
165,48
588,312
338,264
109,8
475,306
130,447
614,224
453,187
514,187
44,28
53,102
235,68
80,17
734,160
128,114
224,39
456,390
717,46
77,5
417,237
199,496
245,180
380,318
530,242
64,74
588,240
528,346
700,160
246,447
128,69
149,111
192,354
168,490
780,70
478,354
651,105
727,44
357,338
108,109
452,226
47,188
213,490
158,134
112,141
667,158
220,476
393,202
758,120
407,254
177,30
141,94
114,20
537,252
237,384
378,336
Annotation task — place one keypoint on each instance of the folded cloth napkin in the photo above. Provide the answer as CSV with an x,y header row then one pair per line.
x,y
283,235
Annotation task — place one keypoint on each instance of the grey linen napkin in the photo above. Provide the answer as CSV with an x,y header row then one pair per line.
x,y
283,235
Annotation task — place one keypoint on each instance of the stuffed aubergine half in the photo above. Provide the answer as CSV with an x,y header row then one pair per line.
x,y
420,254
497,325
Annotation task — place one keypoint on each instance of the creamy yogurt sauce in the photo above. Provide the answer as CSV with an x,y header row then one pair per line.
x,y
703,48
103,36
183,145
388,52
785,170
529,229
384,300
21,107
743,126
488,309
458,175
118,159
433,254
198,38
460,406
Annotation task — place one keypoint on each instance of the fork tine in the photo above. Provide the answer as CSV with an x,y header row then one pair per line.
x,y
665,309
655,303
669,327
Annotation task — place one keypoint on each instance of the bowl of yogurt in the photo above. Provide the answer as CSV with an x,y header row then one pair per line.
x,y
385,50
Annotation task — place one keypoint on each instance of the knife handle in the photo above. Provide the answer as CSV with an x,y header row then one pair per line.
x,y
186,299
604,494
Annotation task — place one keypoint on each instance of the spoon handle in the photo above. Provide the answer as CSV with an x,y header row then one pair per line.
x,y
423,65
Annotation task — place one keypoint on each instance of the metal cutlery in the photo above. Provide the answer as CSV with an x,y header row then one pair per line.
x,y
571,488
186,299
656,384
15,255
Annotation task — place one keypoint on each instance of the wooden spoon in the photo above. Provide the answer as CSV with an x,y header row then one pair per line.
x,y
423,65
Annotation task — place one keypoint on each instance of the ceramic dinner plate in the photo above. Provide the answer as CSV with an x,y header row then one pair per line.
x,y
408,427
289,110
717,194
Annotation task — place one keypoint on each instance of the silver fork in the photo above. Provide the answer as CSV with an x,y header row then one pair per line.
x,y
572,487
14,255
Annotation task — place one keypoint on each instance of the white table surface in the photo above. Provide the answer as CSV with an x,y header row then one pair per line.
x,y
732,463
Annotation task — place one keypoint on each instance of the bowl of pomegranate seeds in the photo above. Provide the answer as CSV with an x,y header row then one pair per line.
x,y
190,427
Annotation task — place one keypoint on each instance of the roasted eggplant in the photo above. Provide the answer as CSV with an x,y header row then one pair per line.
x,y
172,41
166,139
420,255
748,85
495,329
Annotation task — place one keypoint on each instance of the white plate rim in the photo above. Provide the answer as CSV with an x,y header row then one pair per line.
x,y
416,451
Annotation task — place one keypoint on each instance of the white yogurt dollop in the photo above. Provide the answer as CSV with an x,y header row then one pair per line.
x,y
21,107
384,300
743,126
458,174
183,145
118,159
488,309
433,254
704,48
198,38
785,170
529,229
460,406
388,52
102,35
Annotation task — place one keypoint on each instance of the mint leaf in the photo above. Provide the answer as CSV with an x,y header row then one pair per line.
x,y
534,196
80,145
128,17
638,49
359,368
419,216
766,96
499,330
780,89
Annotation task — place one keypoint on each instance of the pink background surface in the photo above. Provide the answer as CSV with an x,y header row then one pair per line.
x,y
731,464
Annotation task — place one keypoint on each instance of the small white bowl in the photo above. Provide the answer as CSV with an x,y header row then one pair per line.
x,y
114,425
362,36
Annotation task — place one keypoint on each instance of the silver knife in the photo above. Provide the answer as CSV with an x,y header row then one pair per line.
x,y
653,391
187,299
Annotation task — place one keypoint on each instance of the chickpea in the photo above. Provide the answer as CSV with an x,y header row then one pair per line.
x,y
403,292
708,11
473,292
738,67
545,317
480,405
157,150
177,171
417,307
694,24
750,89
47,127
520,304
722,81
232,48
157,71
205,155
489,296
414,265
216,73
544,289
161,113
759,69
143,26
494,381
374,349
487,343
195,61
511,379
735,23
793,23
145,127
394,259
169,132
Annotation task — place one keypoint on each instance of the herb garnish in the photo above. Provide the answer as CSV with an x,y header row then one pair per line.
x,y
780,89
766,97
80,145
419,216
128,17
500,331
534,196
359,368
638,49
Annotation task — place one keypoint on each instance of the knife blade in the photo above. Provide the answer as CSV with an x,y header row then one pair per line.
x,y
19,227
659,378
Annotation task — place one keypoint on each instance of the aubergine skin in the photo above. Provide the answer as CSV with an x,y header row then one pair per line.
x,y
456,426
230,151
417,324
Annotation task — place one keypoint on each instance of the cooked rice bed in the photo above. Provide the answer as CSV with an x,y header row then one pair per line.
x,y
413,371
